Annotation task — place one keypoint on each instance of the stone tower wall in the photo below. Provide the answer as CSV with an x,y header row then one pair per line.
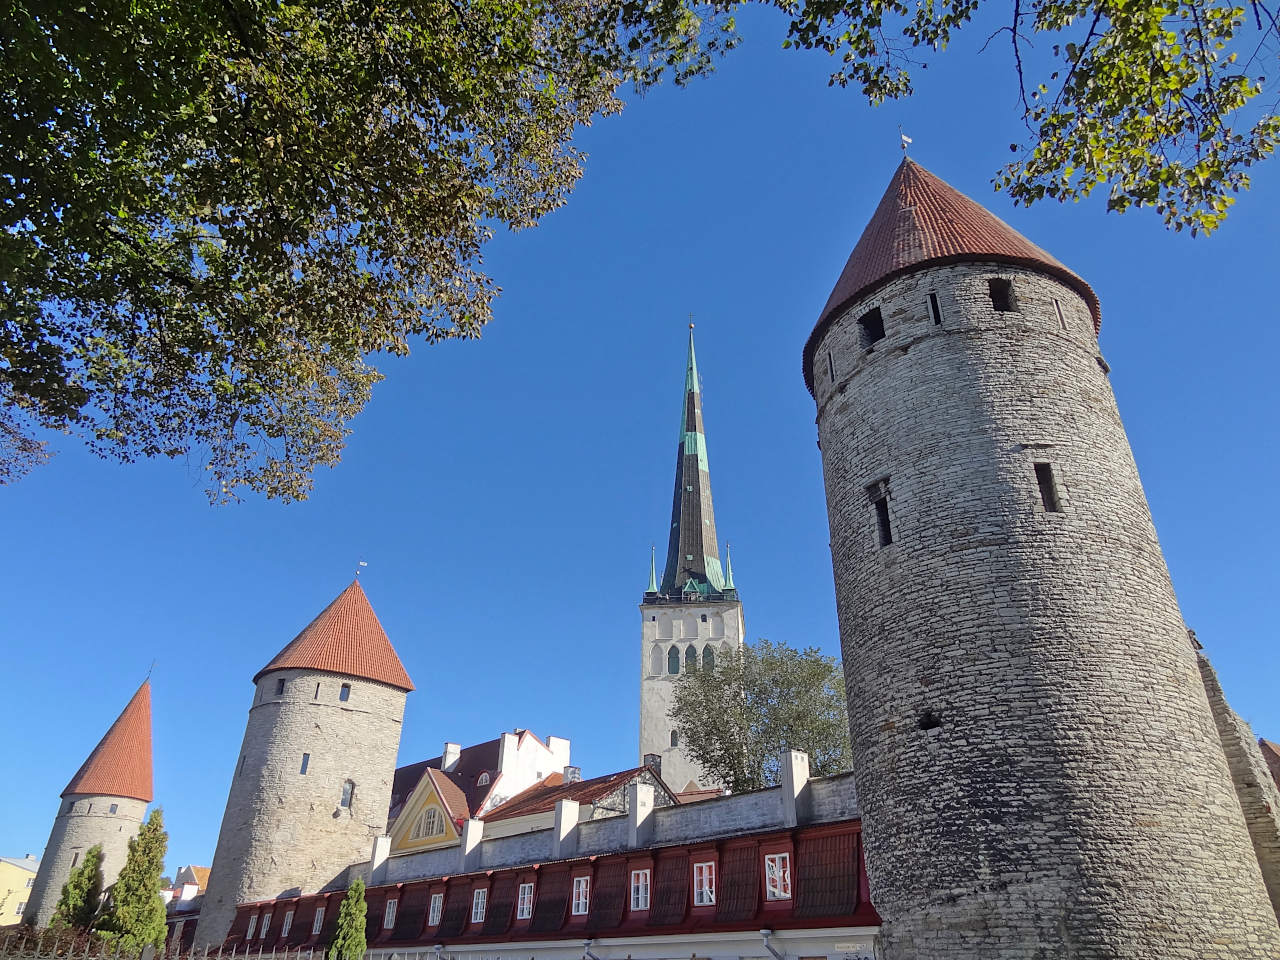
x,y
665,626
1038,768
284,832
82,821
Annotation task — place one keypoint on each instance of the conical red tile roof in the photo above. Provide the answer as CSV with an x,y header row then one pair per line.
x,y
922,221
120,765
346,638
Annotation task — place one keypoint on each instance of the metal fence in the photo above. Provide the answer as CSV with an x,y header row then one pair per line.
x,y
51,945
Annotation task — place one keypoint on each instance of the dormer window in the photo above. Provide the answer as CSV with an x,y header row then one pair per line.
x,y
482,780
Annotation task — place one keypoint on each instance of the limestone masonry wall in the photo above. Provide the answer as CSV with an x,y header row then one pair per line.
x,y
1037,766
82,821
720,816
285,831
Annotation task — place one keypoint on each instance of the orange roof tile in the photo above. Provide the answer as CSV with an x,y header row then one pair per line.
x,y
450,794
1271,754
923,221
120,765
345,638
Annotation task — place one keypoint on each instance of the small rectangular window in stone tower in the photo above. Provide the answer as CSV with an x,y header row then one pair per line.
x,y
279,687
1062,321
831,367
871,325
934,310
1001,290
1048,489
348,791
345,693
879,493
306,759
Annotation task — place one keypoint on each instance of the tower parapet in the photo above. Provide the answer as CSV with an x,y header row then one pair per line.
x,y
312,783
1015,659
103,805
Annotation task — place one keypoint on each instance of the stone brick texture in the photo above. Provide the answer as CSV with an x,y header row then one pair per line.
x,y
1036,761
82,821
285,832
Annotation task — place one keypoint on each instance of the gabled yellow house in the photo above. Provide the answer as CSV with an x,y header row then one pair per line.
x,y
431,815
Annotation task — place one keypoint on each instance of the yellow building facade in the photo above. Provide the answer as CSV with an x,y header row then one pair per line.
x,y
17,877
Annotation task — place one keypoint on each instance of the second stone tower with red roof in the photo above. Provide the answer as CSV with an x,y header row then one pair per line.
x,y
312,783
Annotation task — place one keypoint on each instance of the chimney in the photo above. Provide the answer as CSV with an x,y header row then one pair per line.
x,y
572,774
449,759
654,762
796,795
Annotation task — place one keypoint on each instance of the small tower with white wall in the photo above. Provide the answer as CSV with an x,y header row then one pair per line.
x,y
693,615
312,783
103,805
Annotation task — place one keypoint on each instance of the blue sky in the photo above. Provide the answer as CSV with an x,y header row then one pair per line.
x,y
505,492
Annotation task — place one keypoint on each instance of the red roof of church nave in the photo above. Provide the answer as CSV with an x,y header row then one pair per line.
x,y
923,221
120,765
345,638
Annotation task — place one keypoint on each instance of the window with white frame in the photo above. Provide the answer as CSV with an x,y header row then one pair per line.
x,y
639,889
389,915
704,884
430,823
524,902
253,925
288,923
266,922
30,881
777,876
437,904
21,907
478,901
581,896
318,922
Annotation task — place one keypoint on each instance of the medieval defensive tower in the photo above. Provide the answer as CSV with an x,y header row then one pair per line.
x,y
694,615
102,805
312,784
1036,761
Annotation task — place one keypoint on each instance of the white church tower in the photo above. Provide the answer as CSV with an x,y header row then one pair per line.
x,y
694,614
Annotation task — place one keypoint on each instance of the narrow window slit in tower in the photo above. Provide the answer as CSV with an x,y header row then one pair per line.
x,y
879,493
306,759
344,693
279,687
317,696
1062,321
1001,290
934,309
831,367
1048,489
872,327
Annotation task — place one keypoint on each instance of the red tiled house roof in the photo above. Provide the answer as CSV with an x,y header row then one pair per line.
x,y
923,221
120,765
544,796
345,638
472,762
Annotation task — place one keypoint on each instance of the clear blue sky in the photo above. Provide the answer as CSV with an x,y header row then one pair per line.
x,y
505,492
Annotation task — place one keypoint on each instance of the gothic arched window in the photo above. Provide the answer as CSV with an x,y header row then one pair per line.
x,y
482,780
673,660
708,658
430,823
690,658
655,660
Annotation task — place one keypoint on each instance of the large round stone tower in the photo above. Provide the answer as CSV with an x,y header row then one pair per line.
x,y
1038,769
312,783
102,806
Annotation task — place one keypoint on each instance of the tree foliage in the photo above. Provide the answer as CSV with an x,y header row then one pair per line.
x,y
134,916
81,894
214,212
349,941
736,718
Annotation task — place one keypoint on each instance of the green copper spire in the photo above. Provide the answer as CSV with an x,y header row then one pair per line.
x,y
693,557
728,569
653,572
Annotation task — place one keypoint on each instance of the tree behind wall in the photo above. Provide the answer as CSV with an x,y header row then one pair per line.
x,y
736,718
349,942
81,894
135,913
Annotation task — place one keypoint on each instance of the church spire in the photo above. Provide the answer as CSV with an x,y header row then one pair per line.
x,y
693,557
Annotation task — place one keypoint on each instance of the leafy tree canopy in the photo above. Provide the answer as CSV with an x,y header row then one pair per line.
x,y
349,940
134,916
81,894
736,719
213,212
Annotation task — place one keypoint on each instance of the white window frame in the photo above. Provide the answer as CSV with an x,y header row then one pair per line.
x,y
429,823
524,902
704,883
640,889
437,907
21,907
253,925
479,900
777,876
389,914
581,896
318,923
288,923
266,924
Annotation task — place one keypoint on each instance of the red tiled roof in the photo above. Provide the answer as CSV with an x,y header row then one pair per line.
x,y
693,796
923,221
1271,754
345,638
544,796
472,762
451,795
120,765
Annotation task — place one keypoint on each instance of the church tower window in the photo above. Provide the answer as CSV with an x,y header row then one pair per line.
x,y
673,660
708,658
691,658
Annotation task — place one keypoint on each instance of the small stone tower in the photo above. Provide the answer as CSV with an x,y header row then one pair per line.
x,y
312,783
1037,765
694,614
103,804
